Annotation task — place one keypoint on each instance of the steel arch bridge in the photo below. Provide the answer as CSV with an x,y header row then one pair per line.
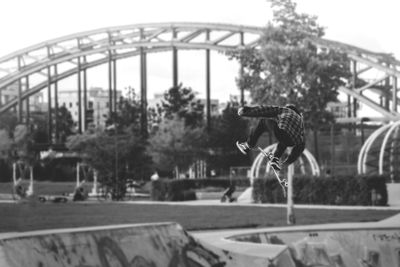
x,y
63,57
43,65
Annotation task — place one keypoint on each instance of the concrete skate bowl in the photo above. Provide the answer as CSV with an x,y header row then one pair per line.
x,y
336,245
146,245
167,244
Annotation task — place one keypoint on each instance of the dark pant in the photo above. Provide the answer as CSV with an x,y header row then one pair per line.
x,y
284,139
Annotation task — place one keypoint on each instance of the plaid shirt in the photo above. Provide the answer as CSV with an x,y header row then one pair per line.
x,y
287,119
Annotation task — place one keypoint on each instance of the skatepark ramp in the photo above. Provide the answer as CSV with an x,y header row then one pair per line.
x,y
145,245
375,244
168,244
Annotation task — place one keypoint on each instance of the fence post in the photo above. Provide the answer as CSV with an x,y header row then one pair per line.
x,y
291,219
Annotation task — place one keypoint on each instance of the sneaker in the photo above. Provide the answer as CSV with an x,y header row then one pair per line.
x,y
243,147
275,164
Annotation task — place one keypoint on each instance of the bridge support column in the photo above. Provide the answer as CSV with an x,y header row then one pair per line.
x,y
50,119
28,114
57,132
208,85
143,89
354,87
114,63
79,96
110,92
85,126
174,61
394,97
19,106
387,91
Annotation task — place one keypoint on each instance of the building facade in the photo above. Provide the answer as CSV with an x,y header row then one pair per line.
x,y
97,104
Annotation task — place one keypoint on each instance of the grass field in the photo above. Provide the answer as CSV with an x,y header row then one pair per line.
x,y
35,216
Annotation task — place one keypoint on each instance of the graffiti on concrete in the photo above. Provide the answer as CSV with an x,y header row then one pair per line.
x,y
191,254
387,237
165,245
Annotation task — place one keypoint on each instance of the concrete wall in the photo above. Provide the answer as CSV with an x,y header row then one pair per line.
x,y
149,245
336,248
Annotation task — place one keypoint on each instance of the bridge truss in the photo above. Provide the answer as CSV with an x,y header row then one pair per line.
x,y
30,70
44,65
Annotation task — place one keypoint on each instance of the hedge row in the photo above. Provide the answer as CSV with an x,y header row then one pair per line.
x,y
341,190
171,190
179,190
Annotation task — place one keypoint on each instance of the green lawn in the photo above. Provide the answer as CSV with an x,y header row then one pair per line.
x,y
35,216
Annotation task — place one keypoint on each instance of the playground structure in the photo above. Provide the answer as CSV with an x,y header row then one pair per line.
x,y
306,164
380,154
20,171
23,188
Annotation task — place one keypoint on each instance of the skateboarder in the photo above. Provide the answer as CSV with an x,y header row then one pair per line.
x,y
288,127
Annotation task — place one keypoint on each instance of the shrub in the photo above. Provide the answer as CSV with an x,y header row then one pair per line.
x,y
340,190
178,190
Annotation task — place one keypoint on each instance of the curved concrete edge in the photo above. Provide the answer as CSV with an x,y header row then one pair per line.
x,y
160,244
344,244
168,244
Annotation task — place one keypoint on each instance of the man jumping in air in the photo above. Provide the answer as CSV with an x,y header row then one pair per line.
x,y
287,124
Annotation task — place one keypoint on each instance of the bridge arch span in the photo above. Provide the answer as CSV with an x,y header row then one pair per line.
x,y
73,54
114,43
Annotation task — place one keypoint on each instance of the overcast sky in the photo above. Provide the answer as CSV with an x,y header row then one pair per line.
x,y
370,24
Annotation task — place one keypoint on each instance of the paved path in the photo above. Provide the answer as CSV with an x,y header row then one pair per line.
x,y
234,204
266,205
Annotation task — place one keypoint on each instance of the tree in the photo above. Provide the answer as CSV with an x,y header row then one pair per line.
x,y
65,123
182,101
8,122
175,144
16,140
226,129
290,68
38,126
119,153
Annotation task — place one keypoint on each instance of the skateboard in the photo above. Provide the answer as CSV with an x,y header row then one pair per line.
x,y
283,182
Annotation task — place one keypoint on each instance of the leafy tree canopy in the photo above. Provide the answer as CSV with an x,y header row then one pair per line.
x,y
65,123
182,101
119,152
290,68
175,144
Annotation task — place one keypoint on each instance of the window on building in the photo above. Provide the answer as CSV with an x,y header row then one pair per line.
x,y
70,104
90,105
